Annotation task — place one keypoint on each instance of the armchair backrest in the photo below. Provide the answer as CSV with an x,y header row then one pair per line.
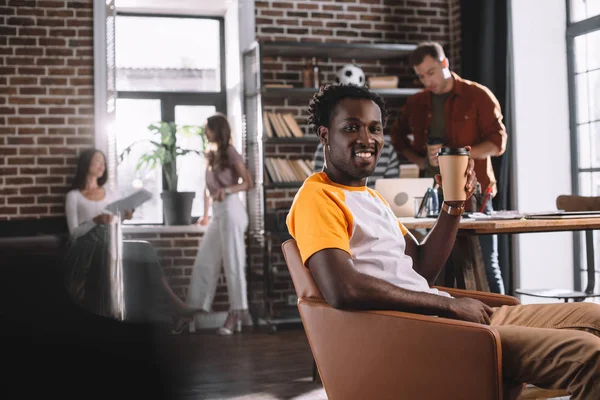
x,y
578,203
303,282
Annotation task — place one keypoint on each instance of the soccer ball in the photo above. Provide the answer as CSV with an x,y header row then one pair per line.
x,y
350,73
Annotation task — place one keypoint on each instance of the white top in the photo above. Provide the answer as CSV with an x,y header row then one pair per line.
x,y
80,210
359,221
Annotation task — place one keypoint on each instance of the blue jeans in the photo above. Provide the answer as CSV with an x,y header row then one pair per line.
x,y
489,251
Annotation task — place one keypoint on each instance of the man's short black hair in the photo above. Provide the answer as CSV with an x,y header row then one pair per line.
x,y
323,102
424,49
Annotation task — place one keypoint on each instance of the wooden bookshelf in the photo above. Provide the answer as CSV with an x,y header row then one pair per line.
x,y
306,139
383,51
262,131
283,185
306,93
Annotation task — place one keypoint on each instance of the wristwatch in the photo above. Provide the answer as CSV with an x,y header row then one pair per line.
x,y
227,191
453,210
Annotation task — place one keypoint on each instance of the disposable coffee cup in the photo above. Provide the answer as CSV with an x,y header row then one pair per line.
x,y
453,168
434,145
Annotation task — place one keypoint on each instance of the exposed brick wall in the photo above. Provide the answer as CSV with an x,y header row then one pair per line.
x,y
351,21
347,21
454,46
46,102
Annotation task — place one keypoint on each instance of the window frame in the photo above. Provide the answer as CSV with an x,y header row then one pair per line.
x,y
168,100
575,29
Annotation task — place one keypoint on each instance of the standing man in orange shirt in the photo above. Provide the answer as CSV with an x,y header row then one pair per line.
x,y
457,113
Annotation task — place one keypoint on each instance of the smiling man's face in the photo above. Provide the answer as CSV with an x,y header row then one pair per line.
x,y
355,139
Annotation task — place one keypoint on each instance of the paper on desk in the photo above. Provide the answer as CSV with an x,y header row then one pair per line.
x,y
497,215
130,202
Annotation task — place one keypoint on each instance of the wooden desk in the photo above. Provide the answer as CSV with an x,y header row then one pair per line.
x,y
465,268
494,227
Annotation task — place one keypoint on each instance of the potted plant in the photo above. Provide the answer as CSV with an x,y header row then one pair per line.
x,y
177,206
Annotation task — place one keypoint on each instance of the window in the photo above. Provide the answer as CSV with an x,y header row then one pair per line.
x,y
168,68
583,9
583,46
166,54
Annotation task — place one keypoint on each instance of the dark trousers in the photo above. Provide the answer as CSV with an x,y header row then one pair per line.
x,y
489,252
86,268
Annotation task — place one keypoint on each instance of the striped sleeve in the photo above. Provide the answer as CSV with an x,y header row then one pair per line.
x,y
393,166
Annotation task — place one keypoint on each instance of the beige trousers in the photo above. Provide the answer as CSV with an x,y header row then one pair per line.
x,y
552,346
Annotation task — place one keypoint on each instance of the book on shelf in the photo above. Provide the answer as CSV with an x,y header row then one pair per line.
x,y
281,125
284,170
383,82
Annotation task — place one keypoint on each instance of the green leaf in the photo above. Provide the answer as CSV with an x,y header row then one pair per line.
x,y
166,150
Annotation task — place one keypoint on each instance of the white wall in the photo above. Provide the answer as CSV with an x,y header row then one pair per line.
x,y
233,73
541,139
247,24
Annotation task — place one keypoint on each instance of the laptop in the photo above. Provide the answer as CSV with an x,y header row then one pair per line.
x,y
401,192
564,215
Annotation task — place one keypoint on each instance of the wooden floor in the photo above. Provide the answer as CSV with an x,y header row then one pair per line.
x,y
249,365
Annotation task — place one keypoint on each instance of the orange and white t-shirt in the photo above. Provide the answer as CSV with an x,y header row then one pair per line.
x,y
358,220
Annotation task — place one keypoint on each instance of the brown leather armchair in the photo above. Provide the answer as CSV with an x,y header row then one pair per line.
x,y
398,355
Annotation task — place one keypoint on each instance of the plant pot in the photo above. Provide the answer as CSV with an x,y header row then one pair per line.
x,y
177,207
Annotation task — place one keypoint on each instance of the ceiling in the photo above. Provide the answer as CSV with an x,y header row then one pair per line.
x,y
187,7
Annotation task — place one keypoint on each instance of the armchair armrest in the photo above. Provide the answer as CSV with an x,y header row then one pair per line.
x,y
388,354
491,299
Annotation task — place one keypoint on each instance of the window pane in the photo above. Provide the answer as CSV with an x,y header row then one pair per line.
x,y
192,167
585,146
595,138
168,54
132,118
193,115
595,183
593,49
585,183
583,9
593,8
577,10
594,94
581,53
581,91
589,183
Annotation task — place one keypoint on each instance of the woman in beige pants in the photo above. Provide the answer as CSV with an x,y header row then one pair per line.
x,y
223,243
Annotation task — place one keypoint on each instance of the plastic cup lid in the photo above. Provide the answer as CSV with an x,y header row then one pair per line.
x,y
453,151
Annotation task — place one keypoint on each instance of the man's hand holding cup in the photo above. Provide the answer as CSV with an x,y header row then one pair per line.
x,y
433,147
458,179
